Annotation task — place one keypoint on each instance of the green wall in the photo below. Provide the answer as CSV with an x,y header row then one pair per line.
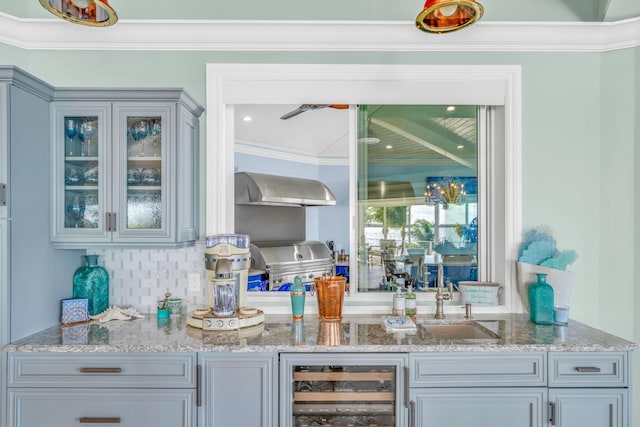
x,y
372,10
580,166
568,174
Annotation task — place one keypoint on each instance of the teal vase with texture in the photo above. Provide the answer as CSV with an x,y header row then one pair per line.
x,y
92,281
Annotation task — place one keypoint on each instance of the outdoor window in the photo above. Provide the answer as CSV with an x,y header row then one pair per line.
x,y
417,195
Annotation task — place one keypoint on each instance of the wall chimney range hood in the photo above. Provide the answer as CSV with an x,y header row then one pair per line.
x,y
273,190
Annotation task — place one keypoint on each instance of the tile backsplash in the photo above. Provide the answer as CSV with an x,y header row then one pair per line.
x,y
139,277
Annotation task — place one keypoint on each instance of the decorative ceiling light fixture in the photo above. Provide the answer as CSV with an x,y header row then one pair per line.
x,y
449,193
444,16
94,13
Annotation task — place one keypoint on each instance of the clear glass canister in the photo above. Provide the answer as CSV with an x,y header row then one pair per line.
x,y
225,299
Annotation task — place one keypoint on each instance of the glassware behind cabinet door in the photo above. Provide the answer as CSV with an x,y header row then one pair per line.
x,y
70,131
88,129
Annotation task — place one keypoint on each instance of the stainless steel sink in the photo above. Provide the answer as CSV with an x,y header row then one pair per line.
x,y
460,331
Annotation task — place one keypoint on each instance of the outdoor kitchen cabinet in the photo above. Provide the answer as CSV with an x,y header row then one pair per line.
x,y
127,389
477,389
238,389
124,168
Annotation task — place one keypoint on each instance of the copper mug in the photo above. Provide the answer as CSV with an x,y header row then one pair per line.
x,y
330,292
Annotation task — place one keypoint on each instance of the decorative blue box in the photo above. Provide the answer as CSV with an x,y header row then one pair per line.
x,y
75,310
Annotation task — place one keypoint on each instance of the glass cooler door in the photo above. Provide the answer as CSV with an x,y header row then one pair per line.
x,y
363,392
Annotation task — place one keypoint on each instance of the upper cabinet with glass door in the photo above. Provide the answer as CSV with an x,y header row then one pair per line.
x,y
125,171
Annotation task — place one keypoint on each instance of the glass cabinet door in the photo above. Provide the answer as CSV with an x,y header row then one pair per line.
x,y
81,175
142,193
144,172
80,162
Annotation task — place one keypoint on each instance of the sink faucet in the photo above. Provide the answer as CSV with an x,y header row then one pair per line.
x,y
440,295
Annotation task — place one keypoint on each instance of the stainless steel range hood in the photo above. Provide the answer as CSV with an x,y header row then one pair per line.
x,y
273,190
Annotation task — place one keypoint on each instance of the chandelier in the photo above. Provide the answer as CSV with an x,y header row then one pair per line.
x,y
447,193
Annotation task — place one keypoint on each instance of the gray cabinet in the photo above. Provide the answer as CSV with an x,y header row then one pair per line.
x,y
124,168
589,389
478,389
132,389
478,407
589,407
239,389
28,263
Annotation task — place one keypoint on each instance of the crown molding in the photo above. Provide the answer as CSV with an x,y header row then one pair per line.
x,y
210,35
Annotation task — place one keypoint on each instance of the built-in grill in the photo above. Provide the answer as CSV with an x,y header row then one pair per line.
x,y
271,210
283,261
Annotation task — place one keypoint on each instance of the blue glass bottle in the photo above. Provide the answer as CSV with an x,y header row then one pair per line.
x,y
92,281
541,301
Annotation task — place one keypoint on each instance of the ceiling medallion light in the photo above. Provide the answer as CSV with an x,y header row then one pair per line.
x,y
94,13
444,16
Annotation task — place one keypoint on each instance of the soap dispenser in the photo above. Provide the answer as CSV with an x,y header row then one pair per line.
x,y
410,302
298,294
541,301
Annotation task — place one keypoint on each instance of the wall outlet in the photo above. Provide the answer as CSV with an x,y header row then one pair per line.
x,y
194,282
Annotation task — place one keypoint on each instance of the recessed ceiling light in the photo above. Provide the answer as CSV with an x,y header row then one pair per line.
x,y
460,147
247,119
389,147
369,140
451,108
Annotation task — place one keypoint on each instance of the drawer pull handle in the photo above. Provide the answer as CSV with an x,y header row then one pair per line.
x,y
101,370
103,420
587,369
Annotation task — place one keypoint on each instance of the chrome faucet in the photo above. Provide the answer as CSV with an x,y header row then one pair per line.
x,y
440,295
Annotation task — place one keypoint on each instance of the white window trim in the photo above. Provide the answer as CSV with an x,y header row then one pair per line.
x,y
230,84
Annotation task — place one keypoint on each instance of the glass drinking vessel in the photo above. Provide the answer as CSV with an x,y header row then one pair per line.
x,y
87,129
70,131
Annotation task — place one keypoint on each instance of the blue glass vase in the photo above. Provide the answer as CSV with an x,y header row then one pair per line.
x,y
541,301
92,281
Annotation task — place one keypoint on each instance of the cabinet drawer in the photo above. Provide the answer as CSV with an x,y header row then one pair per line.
x,y
588,369
477,369
155,370
30,407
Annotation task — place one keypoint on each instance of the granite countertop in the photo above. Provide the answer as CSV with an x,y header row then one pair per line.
x,y
356,333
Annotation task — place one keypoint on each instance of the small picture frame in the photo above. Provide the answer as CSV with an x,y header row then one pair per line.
x,y
75,310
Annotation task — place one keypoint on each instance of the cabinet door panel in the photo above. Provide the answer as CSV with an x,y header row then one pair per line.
x,y
124,408
239,390
80,171
145,174
588,369
479,407
589,407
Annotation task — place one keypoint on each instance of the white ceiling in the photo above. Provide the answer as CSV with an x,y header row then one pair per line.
x,y
318,133
324,133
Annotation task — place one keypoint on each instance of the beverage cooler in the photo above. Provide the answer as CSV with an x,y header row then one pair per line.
x,y
343,389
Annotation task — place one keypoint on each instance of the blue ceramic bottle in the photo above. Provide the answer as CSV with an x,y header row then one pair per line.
x,y
541,301
298,295
92,281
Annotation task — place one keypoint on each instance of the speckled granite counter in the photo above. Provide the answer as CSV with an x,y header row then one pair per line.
x,y
510,332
